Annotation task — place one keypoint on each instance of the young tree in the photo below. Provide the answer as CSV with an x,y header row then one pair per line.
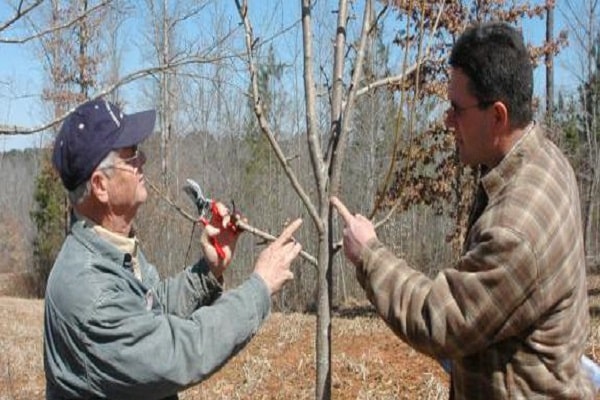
x,y
326,165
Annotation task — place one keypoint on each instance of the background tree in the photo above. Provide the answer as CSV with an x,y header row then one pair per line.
x,y
579,112
40,24
164,17
182,146
72,57
16,234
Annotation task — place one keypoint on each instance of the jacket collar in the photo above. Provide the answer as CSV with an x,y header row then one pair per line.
x,y
495,179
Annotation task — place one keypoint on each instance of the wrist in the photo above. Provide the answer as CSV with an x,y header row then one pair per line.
x,y
204,268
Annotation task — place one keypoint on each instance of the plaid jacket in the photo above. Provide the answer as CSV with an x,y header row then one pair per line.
x,y
512,313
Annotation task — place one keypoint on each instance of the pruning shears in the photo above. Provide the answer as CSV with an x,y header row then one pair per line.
x,y
208,211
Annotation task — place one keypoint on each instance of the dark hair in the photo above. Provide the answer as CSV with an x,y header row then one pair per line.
x,y
494,58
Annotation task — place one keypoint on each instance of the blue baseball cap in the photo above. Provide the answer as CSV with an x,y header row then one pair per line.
x,y
92,131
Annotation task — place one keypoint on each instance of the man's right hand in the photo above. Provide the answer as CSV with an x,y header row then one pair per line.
x,y
273,263
217,231
357,232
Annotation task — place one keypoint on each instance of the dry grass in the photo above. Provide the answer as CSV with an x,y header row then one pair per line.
x,y
369,362
17,284
21,362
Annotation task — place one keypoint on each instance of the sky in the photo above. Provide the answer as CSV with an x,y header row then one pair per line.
x,y
20,80
21,76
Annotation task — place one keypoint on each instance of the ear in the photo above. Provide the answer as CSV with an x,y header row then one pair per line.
x,y
99,186
501,121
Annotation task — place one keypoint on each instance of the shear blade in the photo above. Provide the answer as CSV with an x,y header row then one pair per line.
x,y
193,190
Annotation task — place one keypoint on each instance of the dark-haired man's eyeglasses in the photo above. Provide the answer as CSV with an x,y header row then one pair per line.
x,y
458,111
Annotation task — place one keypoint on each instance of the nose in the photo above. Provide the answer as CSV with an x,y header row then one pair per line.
x,y
449,119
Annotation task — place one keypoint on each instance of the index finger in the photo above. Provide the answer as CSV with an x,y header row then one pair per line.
x,y
341,209
289,230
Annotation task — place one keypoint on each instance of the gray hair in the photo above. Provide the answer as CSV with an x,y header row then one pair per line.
x,y
81,192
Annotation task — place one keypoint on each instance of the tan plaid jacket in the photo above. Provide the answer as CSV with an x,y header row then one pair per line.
x,y
512,313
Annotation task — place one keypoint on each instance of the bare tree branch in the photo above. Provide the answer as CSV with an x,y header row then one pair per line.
x,y
54,28
267,236
340,136
390,80
312,130
190,14
397,203
18,130
19,13
262,120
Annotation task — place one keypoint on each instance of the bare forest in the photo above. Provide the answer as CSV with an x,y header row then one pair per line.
x,y
274,106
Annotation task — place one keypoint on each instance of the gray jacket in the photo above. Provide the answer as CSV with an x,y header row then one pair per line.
x,y
108,335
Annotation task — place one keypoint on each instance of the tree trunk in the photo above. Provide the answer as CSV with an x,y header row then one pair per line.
x,y
549,66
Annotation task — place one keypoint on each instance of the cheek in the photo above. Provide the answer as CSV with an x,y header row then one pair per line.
x,y
458,131
120,188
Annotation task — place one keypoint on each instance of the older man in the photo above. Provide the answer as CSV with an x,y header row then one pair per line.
x,y
113,329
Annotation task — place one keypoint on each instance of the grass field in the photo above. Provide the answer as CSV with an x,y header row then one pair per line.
x,y
369,362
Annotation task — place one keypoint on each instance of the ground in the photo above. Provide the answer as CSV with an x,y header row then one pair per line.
x,y
369,362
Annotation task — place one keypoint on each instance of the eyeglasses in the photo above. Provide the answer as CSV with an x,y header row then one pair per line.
x,y
458,111
135,161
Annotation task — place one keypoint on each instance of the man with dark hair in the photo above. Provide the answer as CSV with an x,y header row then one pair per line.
x,y
498,66
512,315
112,328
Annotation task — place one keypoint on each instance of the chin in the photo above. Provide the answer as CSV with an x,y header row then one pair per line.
x,y
464,158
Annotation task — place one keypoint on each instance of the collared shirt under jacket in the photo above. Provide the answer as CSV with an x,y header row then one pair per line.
x,y
512,313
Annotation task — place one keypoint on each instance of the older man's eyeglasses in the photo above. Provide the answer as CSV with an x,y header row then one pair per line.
x,y
138,158
135,161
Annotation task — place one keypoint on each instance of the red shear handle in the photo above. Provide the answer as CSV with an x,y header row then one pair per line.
x,y
217,219
218,247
